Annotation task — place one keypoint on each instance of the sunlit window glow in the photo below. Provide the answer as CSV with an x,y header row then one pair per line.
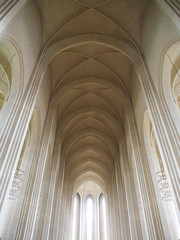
x,y
74,219
89,218
104,218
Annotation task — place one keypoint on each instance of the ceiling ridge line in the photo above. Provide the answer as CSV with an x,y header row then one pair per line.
x,y
66,24
118,26
91,7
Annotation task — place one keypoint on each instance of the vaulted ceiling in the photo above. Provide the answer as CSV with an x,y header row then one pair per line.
x,y
91,81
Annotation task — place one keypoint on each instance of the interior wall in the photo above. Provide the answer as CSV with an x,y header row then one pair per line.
x,y
157,31
25,31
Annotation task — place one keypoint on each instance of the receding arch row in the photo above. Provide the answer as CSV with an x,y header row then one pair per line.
x,y
98,112
94,160
84,160
96,168
80,135
105,154
89,176
50,52
86,176
81,139
107,103
58,86
84,155
94,165
64,89
122,47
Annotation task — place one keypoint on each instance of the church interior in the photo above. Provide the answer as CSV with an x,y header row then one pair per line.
x,y
89,119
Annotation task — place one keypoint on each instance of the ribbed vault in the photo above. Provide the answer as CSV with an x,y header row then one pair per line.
x,y
90,94
77,81
91,51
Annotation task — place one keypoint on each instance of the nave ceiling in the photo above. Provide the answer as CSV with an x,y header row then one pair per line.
x,y
84,76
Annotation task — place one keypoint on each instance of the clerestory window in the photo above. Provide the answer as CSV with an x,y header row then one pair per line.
x,y
76,217
102,218
89,213
89,217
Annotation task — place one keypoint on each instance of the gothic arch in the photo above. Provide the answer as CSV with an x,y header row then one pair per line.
x,y
169,84
12,63
11,79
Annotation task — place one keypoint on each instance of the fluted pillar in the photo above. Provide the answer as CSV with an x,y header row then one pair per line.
x,y
8,10
123,224
14,135
51,192
155,228
27,218
171,8
136,230
19,187
57,201
168,148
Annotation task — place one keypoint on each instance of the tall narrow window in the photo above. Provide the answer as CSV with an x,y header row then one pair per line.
x,y
103,218
76,218
89,218
89,221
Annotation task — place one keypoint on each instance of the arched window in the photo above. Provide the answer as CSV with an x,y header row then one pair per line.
x,y
102,218
89,218
170,84
76,217
11,79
